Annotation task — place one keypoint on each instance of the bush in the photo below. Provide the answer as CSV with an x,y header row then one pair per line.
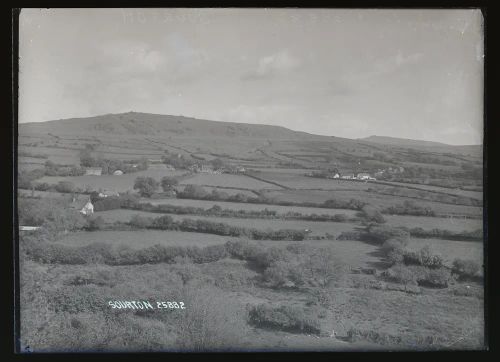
x,y
141,222
285,318
242,250
147,186
65,187
168,183
107,203
379,234
371,214
165,222
95,223
194,192
423,276
210,321
435,278
423,257
466,268
401,274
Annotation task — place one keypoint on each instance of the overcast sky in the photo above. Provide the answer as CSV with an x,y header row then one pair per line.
x,y
348,73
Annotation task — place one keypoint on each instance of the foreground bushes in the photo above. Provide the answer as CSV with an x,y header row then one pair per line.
x,y
418,275
285,318
52,253
466,269
383,338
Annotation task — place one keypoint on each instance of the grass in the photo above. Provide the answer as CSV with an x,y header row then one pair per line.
x,y
228,180
251,207
427,223
371,198
143,238
317,228
450,249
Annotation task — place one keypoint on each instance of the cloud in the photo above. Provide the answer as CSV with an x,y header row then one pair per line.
x,y
273,65
261,114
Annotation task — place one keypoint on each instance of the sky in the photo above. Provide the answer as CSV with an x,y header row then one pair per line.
x,y
339,72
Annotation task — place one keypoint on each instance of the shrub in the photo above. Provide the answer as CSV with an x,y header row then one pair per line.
x,y
165,222
371,214
194,192
107,203
393,244
242,250
141,222
436,278
423,257
168,183
379,234
465,268
147,186
65,186
210,321
401,274
95,223
285,318
423,276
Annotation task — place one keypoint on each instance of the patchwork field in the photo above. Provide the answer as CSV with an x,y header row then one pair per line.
x,y
121,183
318,293
374,199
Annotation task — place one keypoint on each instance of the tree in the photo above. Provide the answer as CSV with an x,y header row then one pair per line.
x,y
147,186
194,191
168,183
65,186
86,159
217,163
371,214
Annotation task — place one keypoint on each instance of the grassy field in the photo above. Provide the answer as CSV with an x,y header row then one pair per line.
x,y
143,238
317,228
451,249
247,206
428,223
371,198
228,180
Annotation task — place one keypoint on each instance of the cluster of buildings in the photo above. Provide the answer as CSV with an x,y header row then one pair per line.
x,y
389,171
364,176
97,171
204,168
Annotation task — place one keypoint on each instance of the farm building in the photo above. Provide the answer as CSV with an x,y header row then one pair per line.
x,y
107,193
348,177
206,168
118,173
240,169
28,228
96,171
82,205
87,209
170,168
363,176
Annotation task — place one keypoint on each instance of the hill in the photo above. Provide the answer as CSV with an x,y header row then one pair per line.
x,y
133,123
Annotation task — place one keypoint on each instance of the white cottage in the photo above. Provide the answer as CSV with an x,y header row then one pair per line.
x,y
88,209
